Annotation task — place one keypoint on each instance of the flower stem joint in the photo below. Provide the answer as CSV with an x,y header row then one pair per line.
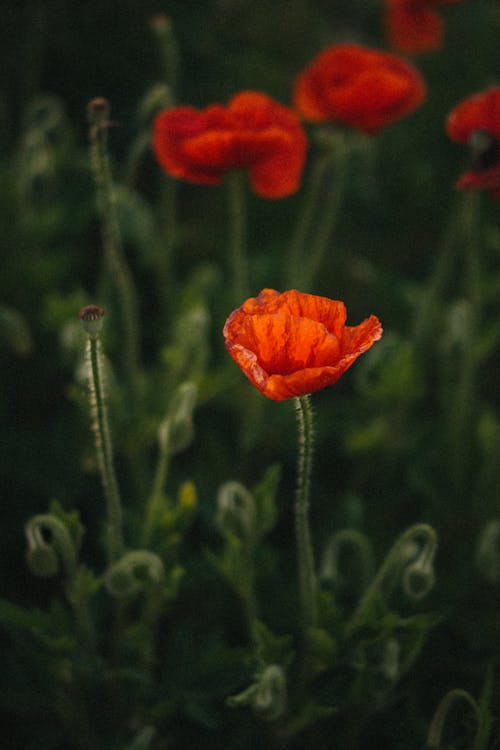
x,y
91,317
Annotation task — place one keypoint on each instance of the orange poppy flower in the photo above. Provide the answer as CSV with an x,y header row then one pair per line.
x,y
252,132
364,88
414,26
476,122
291,344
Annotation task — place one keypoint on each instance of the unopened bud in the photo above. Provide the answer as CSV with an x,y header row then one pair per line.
x,y
236,512
133,572
269,700
419,578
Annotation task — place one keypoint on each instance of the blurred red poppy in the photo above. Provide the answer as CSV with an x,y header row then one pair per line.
x,y
252,132
475,122
361,87
291,344
414,26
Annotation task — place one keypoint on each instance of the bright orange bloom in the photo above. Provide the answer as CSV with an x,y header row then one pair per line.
x,y
414,26
290,344
252,132
475,122
364,88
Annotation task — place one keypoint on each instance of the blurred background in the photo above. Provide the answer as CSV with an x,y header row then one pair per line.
x,y
411,434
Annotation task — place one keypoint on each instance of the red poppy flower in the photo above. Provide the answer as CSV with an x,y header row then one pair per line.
x,y
252,132
414,26
290,344
361,87
476,122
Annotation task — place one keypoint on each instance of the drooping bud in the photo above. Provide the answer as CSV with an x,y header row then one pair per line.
x,y
488,551
133,572
91,317
270,697
49,541
236,512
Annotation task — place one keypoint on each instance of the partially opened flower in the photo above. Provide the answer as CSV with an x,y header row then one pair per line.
x,y
252,132
414,26
291,344
475,122
361,87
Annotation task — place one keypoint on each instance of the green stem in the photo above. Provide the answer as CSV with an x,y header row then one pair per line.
x,y
313,232
395,561
430,305
435,734
104,450
463,404
237,234
156,497
115,257
307,575
166,271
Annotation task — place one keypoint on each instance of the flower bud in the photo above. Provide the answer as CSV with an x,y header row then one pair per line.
x,y
488,552
44,554
176,431
42,560
419,578
236,511
269,700
132,572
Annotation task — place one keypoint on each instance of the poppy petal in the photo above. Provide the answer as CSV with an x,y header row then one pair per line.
x,y
361,87
293,343
253,132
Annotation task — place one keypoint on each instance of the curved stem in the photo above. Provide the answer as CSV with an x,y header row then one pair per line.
x,y
104,449
237,235
307,575
436,728
395,560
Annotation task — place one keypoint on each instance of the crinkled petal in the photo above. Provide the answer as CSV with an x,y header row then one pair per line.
x,y
358,86
293,343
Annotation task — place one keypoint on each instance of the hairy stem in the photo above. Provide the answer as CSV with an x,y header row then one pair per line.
x,y
237,236
307,575
104,450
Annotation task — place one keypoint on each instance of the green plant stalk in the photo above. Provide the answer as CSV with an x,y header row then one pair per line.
x,y
113,249
434,736
463,406
155,499
237,235
104,450
312,233
387,571
307,575
431,302
166,271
